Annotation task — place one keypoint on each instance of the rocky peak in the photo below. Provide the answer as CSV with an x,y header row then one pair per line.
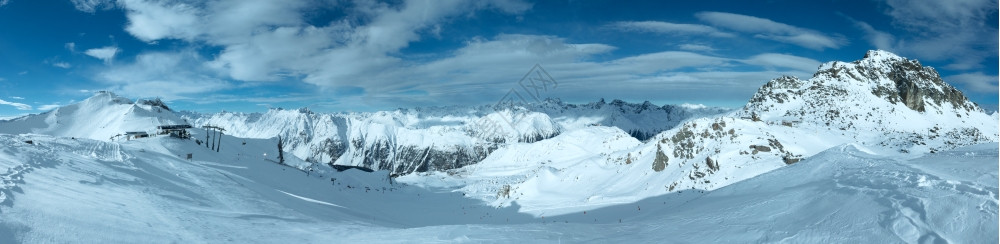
x,y
880,88
881,55
898,80
108,97
156,102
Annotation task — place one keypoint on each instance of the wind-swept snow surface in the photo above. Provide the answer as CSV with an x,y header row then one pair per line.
x,y
63,190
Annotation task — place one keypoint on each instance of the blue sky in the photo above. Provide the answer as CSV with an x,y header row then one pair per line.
x,y
330,55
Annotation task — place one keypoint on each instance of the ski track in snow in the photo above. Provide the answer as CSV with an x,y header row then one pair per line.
x,y
892,200
311,200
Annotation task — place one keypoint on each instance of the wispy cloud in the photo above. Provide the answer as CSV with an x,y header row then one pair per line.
x,y
70,46
48,107
63,65
107,54
16,97
976,82
270,40
696,47
91,6
771,30
956,31
360,58
879,39
18,106
774,60
668,28
483,70
162,74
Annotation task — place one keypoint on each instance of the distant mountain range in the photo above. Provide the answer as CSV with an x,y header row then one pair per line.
x,y
882,103
441,138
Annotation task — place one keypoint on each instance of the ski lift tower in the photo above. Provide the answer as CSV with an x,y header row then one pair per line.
x,y
216,134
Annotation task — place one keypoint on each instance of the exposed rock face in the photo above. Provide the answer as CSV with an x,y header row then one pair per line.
x,y
915,85
897,99
758,148
439,139
790,160
156,102
661,160
899,80
698,146
712,164
397,141
383,155
640,120
883,102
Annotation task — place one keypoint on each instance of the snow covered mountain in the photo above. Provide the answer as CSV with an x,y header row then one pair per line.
x,y
100,117
64,190
885,103
439,138
876,150
883,99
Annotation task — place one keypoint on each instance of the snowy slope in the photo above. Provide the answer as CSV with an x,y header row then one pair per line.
x,y
883,98
787,121
99,117
849,196
64,190
875,150
439,138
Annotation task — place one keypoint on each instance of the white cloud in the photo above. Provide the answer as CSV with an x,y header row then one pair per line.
x,y
171,76
70,46
105,53
4,2
976,82
956,31
91,6
696,47
48,107
269,40
668,28
63,65
949,15
879,39
784,61
153,20
10,117
769,29
483,70
16,97
18,106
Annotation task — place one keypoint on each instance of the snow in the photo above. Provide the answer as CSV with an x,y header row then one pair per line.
x,y
65,190
311,200
693,106
806,161
113,114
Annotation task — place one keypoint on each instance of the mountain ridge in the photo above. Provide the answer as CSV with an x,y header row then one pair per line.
x,y
882,100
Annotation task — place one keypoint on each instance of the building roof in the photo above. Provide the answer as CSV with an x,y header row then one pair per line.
x,y
173,127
